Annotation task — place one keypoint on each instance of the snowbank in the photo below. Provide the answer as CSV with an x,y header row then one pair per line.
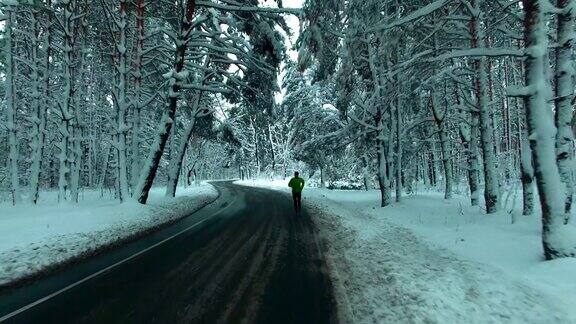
x,y
513,250
431,260
277,184
36,237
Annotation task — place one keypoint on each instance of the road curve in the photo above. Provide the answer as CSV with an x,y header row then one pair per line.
x,y
245,258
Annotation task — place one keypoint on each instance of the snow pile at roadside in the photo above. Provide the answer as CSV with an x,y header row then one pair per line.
x,y
384,273
277,184
34,238
466,231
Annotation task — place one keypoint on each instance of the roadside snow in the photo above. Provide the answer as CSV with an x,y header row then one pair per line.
x,y
428,260
276,184
36,237
514,251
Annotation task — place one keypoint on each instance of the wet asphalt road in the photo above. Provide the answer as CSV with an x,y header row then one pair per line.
x,y
246,258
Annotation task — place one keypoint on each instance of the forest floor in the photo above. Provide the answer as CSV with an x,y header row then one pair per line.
x,y
426,259
34,238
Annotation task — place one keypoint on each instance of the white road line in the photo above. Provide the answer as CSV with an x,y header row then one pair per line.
x,y
96,274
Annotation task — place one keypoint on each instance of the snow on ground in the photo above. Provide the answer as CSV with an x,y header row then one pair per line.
x,y
430,260
36,237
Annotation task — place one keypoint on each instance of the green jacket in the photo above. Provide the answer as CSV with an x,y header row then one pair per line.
x,y
297,184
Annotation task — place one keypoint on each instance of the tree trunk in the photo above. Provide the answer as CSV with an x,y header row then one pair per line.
x,y
442,136
178,158
153,160
11,107
66,104
272,152
398,150
382,168
432,166
77,126
389,146
425,158
122,103
484,110
40,104
383,181
365,172
90,161
564,76
526,176
543,133
138,65
472,159
256,147
75,159
469,139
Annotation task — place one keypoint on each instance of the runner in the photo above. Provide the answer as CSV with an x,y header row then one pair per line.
x,y
297,184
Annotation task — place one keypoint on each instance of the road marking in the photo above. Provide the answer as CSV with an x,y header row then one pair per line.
x,y
96,274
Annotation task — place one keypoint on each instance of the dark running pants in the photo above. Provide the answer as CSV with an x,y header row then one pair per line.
x,y
297,196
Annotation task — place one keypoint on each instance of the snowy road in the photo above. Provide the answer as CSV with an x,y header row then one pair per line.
x,y
245,257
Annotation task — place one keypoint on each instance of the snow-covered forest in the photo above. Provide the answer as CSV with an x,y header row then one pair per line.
x,y
118,95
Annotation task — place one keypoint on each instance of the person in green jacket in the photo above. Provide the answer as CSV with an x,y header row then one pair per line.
x,y
297,184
